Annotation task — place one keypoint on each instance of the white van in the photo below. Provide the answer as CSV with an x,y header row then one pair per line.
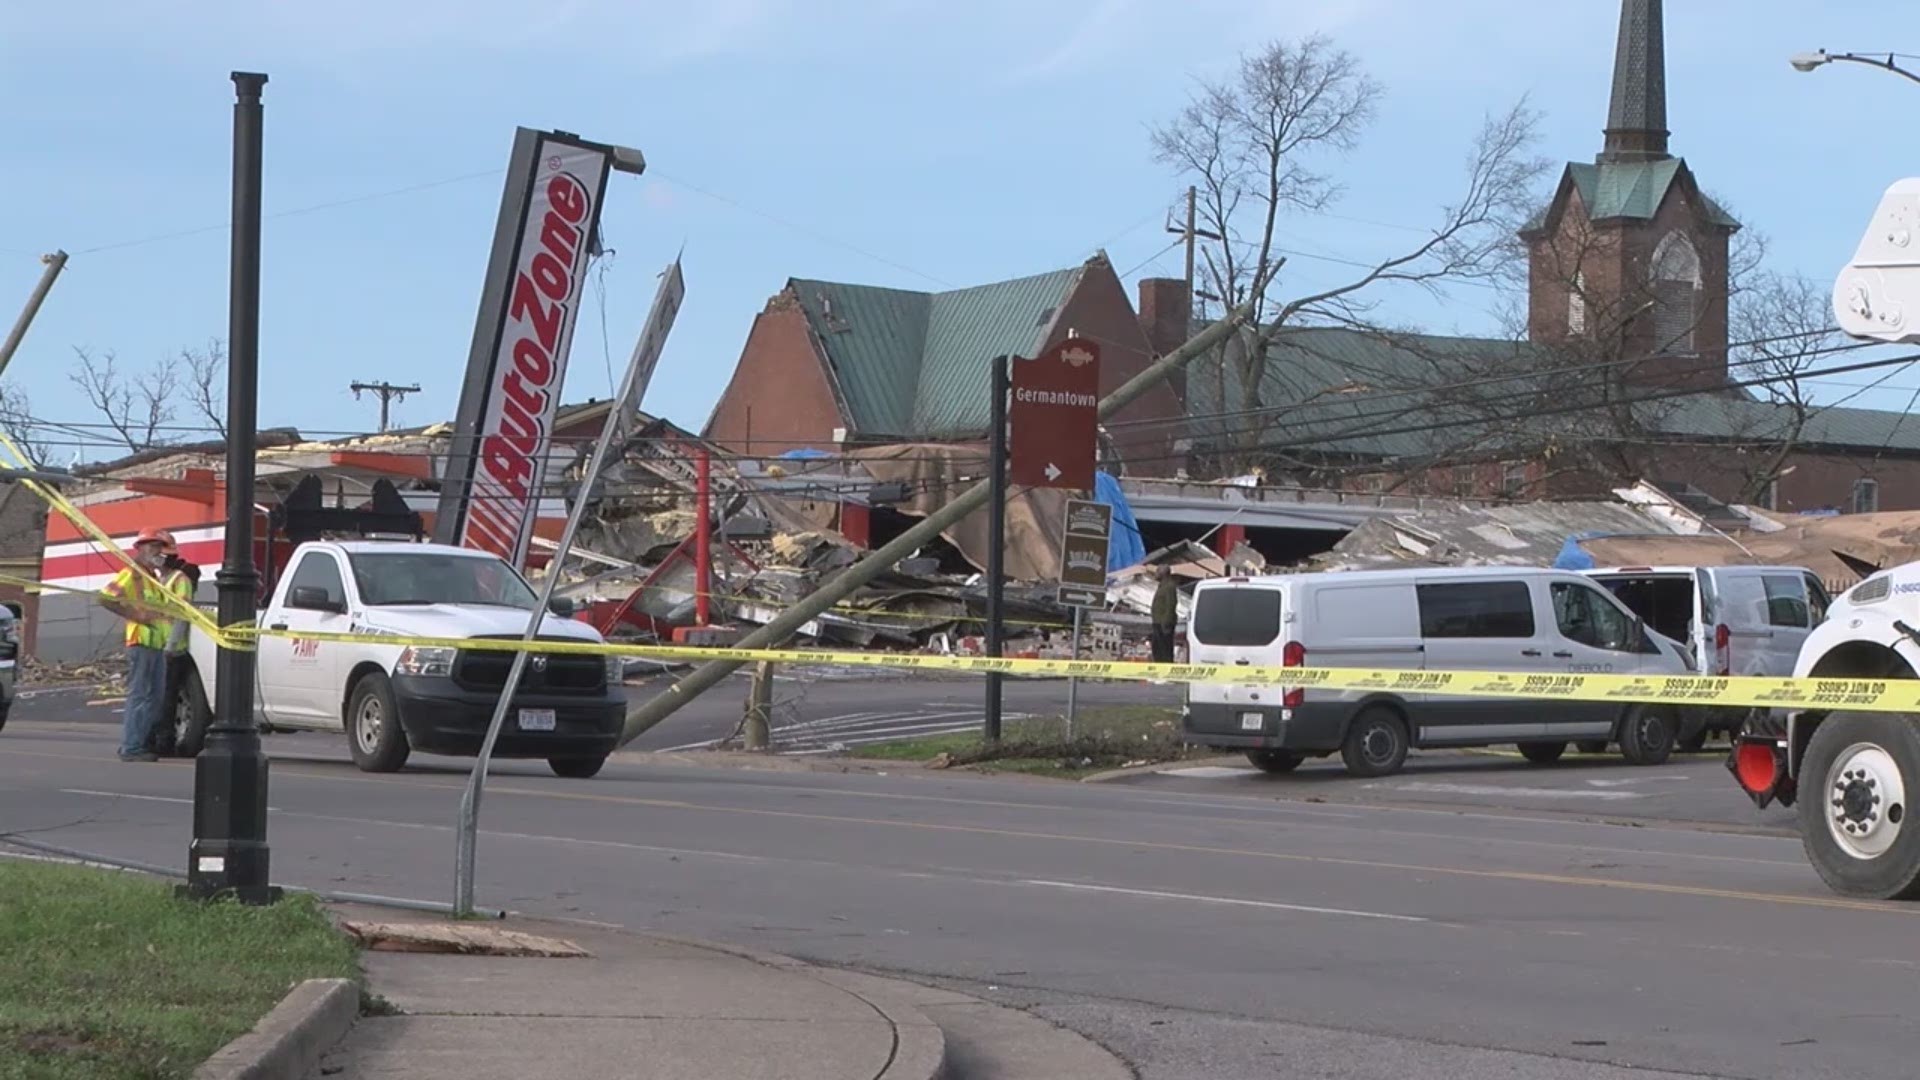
x,y
1734,620
1491,619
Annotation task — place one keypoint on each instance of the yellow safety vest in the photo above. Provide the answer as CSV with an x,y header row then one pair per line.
x,y
180,585
139,587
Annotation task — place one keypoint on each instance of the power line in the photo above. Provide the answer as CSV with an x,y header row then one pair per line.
x,y
329,205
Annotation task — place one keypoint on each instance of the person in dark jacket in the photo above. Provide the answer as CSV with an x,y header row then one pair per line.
x,y
1166,612
183,579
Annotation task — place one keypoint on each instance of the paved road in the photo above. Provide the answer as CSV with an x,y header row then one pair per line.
x,y
1201,933
816,710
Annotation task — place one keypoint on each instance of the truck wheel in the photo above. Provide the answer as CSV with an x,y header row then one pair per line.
x,y
1376,743
374,734
577,768
1693,743
1646,735
1591,746
3,715
191,715
1542,753
1275,761
1853,806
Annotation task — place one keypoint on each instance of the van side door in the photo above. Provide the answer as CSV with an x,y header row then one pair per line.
x,y
1596,636
1789,616
1477,626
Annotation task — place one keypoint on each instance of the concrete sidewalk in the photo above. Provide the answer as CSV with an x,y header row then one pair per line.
x,y
638,1006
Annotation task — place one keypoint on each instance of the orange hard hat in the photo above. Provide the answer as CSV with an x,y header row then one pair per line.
x,y
151,535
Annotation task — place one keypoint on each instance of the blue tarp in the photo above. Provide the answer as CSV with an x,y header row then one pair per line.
x,y
1124,546
1574,557
806,452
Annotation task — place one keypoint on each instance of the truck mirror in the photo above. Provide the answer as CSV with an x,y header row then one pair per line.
x,y
562,606
314,598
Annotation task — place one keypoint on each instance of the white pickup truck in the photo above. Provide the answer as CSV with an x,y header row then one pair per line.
x,y
392,699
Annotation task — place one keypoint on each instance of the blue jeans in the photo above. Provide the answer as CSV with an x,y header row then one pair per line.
x,y
146,697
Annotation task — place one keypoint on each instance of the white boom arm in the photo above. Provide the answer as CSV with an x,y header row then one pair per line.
x,y
1877,296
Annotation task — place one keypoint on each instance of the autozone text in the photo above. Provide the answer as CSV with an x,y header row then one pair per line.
x,y
537,313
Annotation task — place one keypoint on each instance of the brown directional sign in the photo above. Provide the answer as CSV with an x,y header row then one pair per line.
x,y
1055,416
1083,553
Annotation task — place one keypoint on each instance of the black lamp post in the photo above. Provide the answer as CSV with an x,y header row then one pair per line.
x,y
229,853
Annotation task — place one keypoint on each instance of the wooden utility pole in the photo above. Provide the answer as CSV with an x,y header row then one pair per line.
x,y
388,392
1190,234
760,707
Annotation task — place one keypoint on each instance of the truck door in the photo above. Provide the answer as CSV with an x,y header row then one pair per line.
x,y
298,676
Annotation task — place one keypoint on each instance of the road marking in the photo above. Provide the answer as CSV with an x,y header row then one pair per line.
x,y
1233,901
1210,772
125,795
1640,780
1437,788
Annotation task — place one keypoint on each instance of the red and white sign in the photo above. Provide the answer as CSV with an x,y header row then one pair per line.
x,y
529,358
1054,417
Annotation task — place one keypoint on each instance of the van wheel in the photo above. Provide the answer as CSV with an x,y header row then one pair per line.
x,y
576,768
1591,746
1855,780
374,734
1542,753
1275,761
1646,735
1376,743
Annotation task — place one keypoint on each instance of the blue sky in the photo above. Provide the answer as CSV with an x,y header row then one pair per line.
x,y
891,142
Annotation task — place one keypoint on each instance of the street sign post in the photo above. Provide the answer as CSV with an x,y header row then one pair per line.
x,y
1055,417
1083,553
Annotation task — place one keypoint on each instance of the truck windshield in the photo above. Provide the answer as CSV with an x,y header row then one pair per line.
x,y
420,578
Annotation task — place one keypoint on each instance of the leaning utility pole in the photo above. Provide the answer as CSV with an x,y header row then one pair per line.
x,y
388,393
55,263
643,717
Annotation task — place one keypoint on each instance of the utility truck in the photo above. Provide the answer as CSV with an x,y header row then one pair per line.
x,y
1853,775
392,698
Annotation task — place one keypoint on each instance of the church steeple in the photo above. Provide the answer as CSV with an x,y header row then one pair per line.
x,y
1637,115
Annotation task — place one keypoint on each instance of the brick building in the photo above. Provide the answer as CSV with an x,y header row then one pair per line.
x,y
831,366
1623,372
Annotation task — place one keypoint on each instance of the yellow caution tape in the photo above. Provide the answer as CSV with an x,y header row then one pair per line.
x,y
1871,695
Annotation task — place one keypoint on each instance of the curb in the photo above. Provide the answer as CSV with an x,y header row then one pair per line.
x,y
920,1047
1157,767
288,1042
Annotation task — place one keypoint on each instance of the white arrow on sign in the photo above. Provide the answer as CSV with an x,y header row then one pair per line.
x,y
1053,471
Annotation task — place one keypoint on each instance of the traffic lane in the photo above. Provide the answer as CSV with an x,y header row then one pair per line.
x,y
1526,966
1693,789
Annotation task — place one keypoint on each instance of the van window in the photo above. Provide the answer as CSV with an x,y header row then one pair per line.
x,y
1237,617
1817,601
1786,600
1480,609
1585,616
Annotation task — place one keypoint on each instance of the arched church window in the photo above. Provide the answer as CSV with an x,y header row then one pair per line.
x,y
1675,275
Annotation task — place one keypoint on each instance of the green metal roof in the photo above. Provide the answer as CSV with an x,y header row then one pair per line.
x,y
1355,393
1634,189
914,363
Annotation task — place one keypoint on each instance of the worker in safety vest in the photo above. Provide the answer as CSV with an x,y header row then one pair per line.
x,y
137,595
182,579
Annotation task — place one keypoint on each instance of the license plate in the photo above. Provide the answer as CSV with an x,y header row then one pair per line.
x,y
1252,721
536,719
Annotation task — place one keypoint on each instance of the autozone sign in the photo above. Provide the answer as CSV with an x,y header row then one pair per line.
x,y
503,438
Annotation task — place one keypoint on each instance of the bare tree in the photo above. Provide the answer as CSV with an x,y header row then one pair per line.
x,y
136,407
16,421
1781,327
1256,144
206,383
